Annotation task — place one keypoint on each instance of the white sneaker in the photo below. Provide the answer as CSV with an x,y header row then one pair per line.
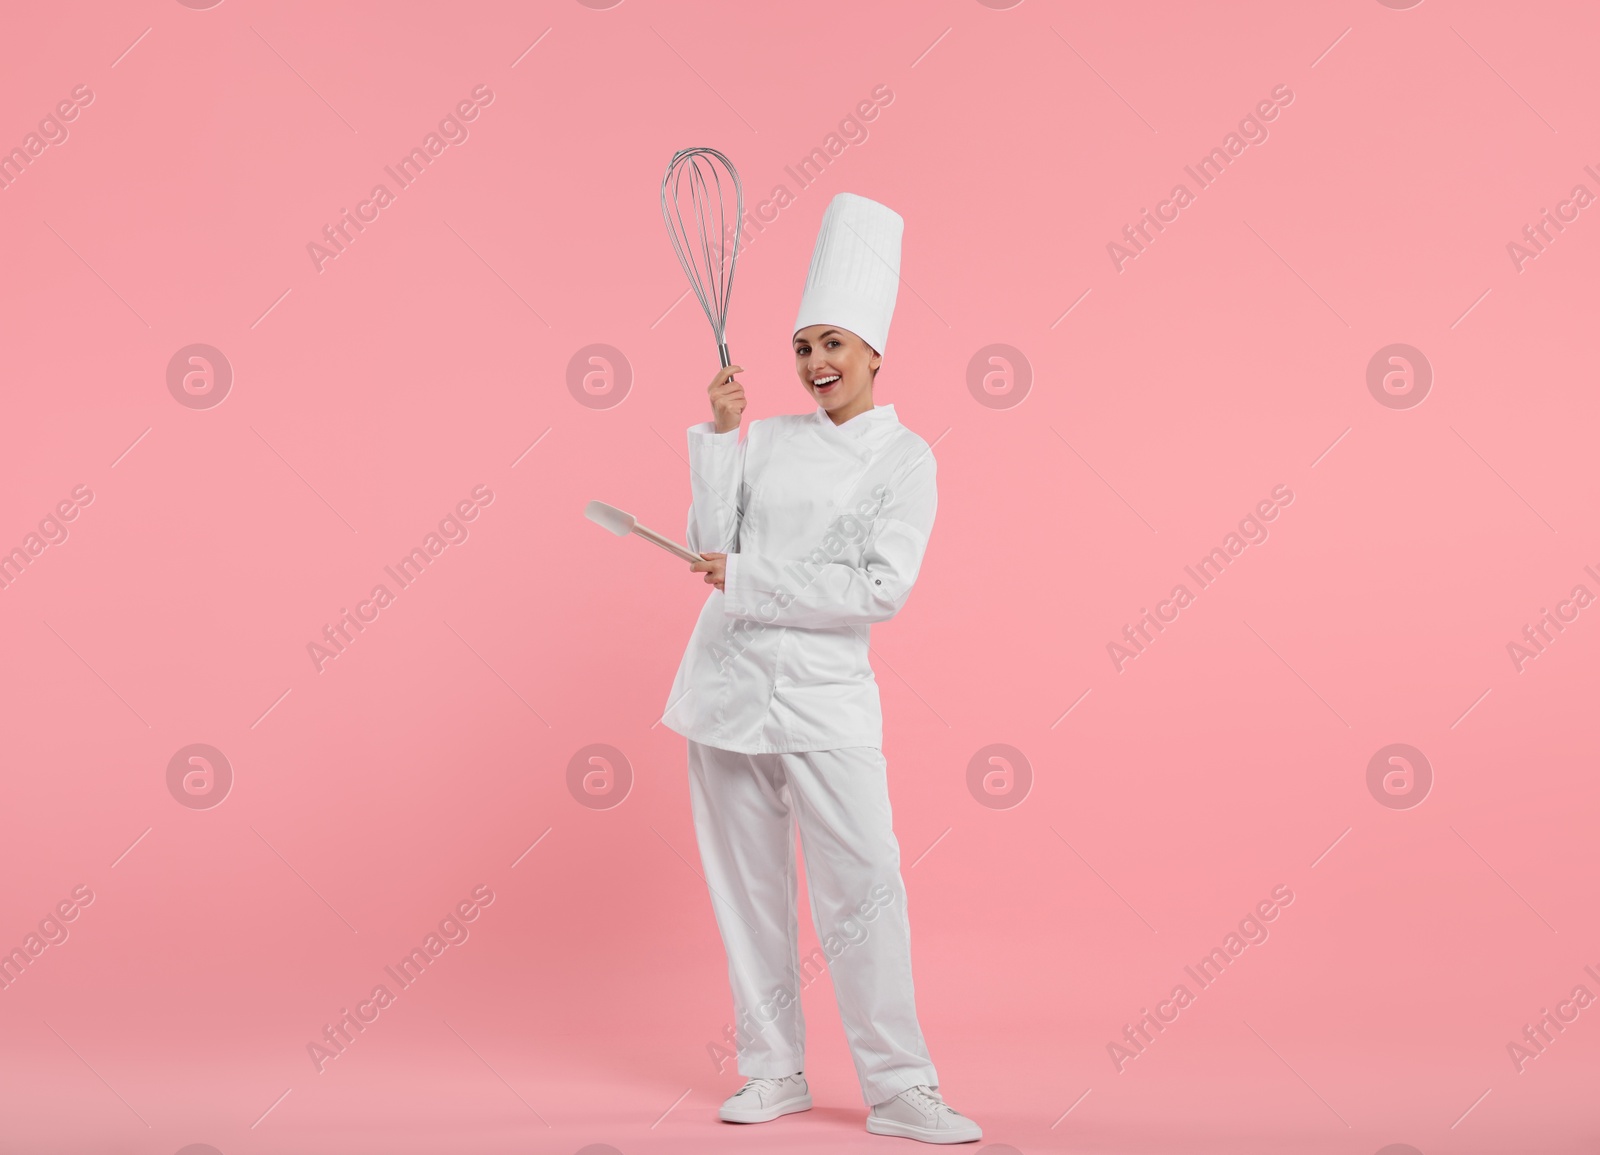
x,y
760,1100
920,1113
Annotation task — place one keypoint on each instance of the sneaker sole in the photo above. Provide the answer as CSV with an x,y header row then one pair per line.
x,y
907,1131
767,1114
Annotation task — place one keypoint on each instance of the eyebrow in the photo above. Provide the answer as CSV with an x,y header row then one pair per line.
x,y
820,335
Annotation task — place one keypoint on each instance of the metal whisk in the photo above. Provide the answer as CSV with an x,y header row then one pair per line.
x,y
708,266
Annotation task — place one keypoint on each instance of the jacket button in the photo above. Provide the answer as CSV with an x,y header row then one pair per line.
x,y
877,581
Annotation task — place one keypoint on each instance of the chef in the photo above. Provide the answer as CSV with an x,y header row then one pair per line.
x,y
812,528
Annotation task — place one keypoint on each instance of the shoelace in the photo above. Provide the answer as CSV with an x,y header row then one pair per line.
x,y
927,1100
760,1086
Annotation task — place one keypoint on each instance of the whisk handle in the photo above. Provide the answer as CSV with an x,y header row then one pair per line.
x,y
722,350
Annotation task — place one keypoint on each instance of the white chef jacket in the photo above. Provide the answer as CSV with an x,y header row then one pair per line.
x,y
824,526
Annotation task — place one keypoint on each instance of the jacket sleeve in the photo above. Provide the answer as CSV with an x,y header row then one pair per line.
x,y
716,471
815,593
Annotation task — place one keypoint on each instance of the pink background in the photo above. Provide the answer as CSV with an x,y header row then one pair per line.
x,y
1166,400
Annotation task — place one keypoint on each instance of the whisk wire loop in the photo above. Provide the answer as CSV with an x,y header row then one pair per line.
x,y
707,258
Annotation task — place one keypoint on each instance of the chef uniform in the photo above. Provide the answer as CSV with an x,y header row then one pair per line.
x,y
824,528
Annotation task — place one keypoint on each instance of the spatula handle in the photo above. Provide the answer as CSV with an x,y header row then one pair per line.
x,y
666,543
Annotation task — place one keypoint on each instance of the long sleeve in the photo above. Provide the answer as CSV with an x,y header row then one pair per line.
x,y
716,470
815,593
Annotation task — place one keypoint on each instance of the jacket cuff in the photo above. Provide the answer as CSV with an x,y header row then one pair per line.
x,y
733,592
751,584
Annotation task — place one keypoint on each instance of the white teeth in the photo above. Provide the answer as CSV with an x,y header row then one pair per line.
x,y
825,380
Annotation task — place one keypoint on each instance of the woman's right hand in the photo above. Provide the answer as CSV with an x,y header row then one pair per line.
x,y
727,398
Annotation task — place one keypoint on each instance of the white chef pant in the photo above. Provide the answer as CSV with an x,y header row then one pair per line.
x,y
742,807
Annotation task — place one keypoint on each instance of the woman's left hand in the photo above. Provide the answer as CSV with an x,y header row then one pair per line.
x,y
715,567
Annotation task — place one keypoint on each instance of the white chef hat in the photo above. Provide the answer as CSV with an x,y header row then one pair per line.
x,y
855,269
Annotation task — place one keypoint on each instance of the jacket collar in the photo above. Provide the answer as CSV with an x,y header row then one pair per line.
x,y
876,417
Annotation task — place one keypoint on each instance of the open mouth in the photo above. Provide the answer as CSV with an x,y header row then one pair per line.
x,y
825,384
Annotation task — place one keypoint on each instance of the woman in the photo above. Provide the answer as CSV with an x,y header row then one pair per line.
x,y
811,528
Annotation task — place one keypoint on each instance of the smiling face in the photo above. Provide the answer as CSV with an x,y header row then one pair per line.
x,y
836,368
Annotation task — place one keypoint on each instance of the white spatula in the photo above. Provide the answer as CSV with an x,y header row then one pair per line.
x,y
622,524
